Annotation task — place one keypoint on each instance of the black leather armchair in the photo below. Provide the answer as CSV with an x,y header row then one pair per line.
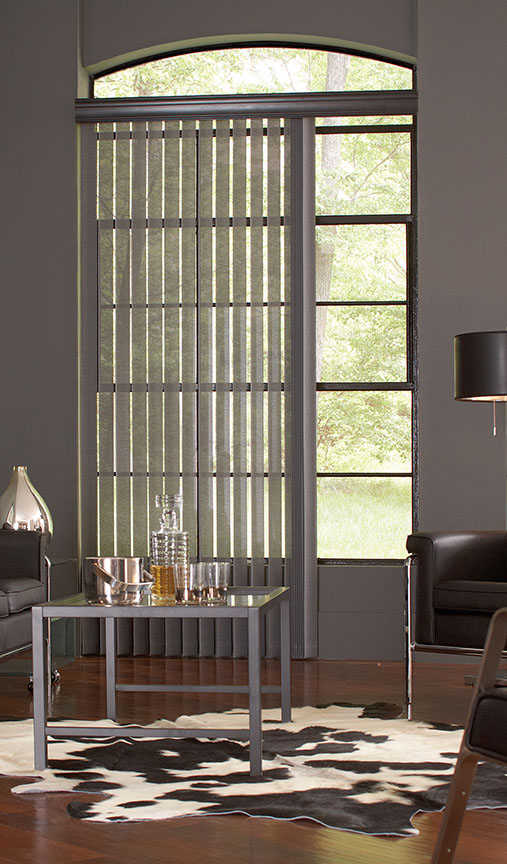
x,y
484,738
455,581
24,577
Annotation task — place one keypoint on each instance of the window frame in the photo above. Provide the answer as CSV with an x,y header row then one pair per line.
x,y
298,106
410,302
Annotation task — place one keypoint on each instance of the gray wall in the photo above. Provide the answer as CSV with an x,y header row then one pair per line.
x,y
38,259
463,253
361,612
148,26
462,190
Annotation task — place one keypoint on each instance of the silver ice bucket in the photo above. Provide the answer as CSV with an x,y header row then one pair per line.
x,y
115,581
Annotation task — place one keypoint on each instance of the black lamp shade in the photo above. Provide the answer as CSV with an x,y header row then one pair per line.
x,y
480,366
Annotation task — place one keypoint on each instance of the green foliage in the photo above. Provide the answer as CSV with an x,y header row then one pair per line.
x,y
366,74
364,431
371,175
364,343
368,261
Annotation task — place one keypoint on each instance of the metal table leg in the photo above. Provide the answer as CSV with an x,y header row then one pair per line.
x,y
111,668
254,692
409,660
40,648
285,658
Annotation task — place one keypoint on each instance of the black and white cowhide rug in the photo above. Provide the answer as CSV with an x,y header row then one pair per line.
x,y
340,765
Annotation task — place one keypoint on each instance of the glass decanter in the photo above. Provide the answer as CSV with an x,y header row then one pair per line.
x,y
168,547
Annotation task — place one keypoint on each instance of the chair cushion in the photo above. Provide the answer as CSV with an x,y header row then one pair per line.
x,y
22,592
467,629
4,605
470,595
486,732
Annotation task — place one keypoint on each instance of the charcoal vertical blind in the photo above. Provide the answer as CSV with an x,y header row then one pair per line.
x,y
192,362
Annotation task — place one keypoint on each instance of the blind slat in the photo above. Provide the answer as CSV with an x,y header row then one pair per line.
x,y
171,332
205,404
257,414
188,330
274,405
223,339
223,629
239,341
205,442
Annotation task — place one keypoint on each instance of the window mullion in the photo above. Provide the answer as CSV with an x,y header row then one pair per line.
x,y
304,506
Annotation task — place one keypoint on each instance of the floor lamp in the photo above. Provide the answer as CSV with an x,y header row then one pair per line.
x,y
480,368
480,375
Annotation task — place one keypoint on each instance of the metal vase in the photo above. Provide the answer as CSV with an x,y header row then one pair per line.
x,y
21,506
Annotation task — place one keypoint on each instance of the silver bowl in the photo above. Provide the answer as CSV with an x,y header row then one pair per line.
x,y
115,581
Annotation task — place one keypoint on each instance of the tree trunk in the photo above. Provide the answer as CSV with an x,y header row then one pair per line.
x,y
337,68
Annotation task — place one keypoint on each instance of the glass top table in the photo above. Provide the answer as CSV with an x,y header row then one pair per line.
x,y
250,602
238,597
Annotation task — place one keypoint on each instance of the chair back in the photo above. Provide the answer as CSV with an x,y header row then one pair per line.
x,y
21,554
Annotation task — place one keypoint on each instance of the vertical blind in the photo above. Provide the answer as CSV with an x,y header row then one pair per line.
x,y
193,351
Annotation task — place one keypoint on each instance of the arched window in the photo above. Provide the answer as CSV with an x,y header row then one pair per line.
x,y
253,69
255,342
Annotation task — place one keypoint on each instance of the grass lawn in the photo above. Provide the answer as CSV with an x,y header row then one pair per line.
x,y
363,517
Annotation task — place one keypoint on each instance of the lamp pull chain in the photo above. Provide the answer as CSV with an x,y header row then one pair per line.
x,y
494,417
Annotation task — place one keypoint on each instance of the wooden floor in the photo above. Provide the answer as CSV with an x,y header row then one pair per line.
x,y
38,829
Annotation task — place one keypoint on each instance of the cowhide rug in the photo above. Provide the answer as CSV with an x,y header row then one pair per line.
x,y
339,765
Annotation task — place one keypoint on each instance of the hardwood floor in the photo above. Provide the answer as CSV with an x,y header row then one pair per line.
x,y
38,829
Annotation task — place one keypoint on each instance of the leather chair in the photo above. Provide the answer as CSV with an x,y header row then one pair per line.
x,y
484,738
455,581
24,581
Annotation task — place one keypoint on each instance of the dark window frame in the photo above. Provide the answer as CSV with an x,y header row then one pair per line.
x,y
410,302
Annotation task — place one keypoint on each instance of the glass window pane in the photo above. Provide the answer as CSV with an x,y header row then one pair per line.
x,y
362,72
364,431
363,173
361,262
263,69
382,120
361,343
363,517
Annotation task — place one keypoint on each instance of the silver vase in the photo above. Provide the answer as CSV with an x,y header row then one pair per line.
x,y
21,506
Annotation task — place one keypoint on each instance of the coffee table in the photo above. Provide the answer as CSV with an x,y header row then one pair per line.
x,y
252,603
